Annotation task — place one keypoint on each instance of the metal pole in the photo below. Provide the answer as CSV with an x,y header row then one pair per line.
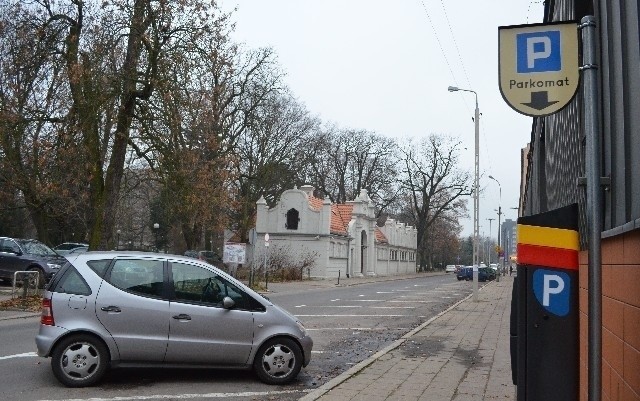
x,y
266,274
476,193
476,201
489,246
594,202
500,264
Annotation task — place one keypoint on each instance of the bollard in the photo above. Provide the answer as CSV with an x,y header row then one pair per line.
x,y
338,277
25,286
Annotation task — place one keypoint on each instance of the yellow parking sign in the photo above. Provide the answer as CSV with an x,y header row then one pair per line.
x,y
538,64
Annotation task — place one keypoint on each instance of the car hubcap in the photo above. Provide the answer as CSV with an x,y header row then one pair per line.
x,y
80,361
278,361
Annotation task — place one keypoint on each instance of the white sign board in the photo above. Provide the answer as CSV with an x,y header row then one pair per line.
x,y
234,253
538,64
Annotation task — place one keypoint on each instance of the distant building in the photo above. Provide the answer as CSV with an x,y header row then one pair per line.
x,y
344,238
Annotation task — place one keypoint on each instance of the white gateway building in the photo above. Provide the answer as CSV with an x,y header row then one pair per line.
x,y
344,238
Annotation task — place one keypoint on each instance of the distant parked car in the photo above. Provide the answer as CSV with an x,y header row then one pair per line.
x,y
80,249
67,247
450,269
28,254
465,273
107,309
486,274
210,257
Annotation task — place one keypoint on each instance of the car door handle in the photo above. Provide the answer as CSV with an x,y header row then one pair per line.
x,y
182,316
111,308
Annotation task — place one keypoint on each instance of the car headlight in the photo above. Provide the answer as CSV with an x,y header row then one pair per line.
x,y
53,266
301,327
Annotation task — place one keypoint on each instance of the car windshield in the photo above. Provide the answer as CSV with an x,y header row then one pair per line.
x,y
36,248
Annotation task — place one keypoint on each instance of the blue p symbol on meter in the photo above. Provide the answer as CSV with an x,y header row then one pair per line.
x,y
552,289
538,52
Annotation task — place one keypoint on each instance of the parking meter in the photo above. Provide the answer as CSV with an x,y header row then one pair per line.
x,y
544,325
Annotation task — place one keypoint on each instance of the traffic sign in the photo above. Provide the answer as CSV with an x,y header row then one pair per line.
x,y
552,290
538,66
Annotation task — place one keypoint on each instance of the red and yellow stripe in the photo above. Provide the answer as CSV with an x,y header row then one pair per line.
x,y
547,246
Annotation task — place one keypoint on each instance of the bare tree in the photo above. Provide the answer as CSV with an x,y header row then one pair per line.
x,y
271,155
434,185
347,161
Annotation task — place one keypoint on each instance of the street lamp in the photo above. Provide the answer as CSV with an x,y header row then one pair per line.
x,y
499,230
490,220
156,227
476,188
118,240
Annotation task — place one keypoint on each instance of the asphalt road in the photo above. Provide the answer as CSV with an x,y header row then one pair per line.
x,y
348,324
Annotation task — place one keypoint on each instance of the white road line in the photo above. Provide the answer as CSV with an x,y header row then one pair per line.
x,y
357,306
416,301
25,355
358,329
189,396
334,300
351,315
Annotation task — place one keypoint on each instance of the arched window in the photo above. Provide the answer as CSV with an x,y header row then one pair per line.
x,y
292,219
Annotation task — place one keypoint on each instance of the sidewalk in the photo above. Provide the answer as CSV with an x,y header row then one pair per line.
x,y
461,354
5,294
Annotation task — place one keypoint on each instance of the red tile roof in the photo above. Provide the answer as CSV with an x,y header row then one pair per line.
x,y
340,218
315,203
380,236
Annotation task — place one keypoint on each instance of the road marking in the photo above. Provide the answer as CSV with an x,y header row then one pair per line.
x,y
25,355
334,300
351,315
358,328
190,396
416,301
356,306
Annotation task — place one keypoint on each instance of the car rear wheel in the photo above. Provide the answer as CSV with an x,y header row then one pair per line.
x,y
80,360
278,361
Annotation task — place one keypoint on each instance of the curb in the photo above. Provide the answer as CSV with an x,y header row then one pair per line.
x,y
22,316
336,381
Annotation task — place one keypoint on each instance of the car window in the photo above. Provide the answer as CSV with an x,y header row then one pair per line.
x,y
8,245
144,277
71,282
199,285
99,266
37,248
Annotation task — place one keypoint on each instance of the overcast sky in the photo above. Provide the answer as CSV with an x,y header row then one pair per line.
x,y
385,66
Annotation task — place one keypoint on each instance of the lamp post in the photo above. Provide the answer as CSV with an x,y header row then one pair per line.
x,y
118,240
156,227
476,187
490,220
501,264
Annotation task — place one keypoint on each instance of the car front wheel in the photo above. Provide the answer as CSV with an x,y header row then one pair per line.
x,y
79,361
278,361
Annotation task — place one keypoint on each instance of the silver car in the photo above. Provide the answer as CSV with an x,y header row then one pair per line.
x,y
118,309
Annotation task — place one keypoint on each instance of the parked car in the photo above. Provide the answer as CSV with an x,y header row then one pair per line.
x,y
18,254
450,269
465,273
119,309
486,274
67,247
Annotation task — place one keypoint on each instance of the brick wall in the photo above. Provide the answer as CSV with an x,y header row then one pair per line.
x,y
620,318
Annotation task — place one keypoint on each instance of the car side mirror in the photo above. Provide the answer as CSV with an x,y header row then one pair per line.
x,y
228,303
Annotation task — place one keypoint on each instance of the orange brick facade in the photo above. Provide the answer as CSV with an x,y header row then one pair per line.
x,y
620,318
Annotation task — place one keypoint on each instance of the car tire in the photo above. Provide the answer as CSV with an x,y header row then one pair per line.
x,y
79,360
278,361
